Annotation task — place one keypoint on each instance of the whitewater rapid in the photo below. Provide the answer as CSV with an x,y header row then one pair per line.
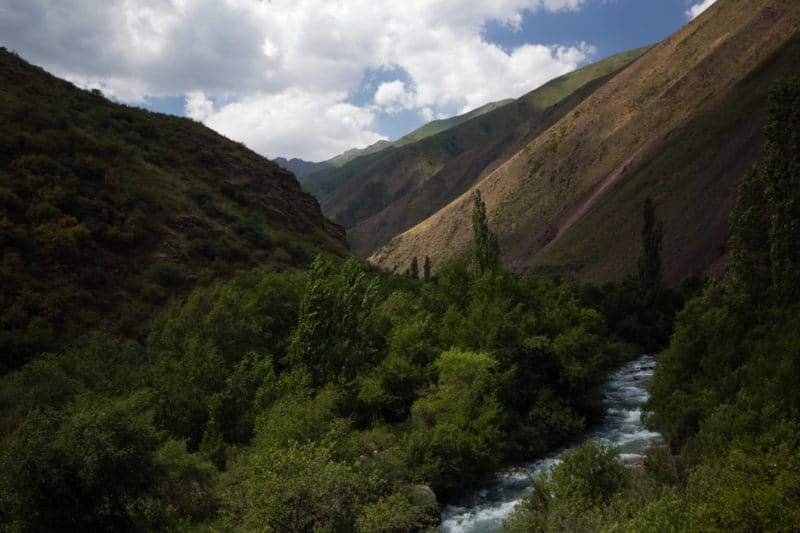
x,y
484,509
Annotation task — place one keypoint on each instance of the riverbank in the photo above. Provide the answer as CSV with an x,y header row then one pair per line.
x,y
483,509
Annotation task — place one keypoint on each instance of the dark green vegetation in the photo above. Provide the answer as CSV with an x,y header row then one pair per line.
x,y
724,393
485,250
641,309
301,401
108,211
326,400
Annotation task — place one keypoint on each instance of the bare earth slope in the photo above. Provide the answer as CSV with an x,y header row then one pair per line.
x,y
406,185
679,124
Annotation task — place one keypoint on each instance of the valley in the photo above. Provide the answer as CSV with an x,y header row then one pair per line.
x,y
571,310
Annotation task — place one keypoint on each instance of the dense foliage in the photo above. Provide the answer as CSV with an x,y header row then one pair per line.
x,y
341,398
337,398
724,393
641,309
301,401
107,211
326,400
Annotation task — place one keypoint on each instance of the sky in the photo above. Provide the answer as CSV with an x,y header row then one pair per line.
x,y
314,78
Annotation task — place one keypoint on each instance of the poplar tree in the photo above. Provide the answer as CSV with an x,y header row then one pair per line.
x,y
750,264
781,175
485,249
766,221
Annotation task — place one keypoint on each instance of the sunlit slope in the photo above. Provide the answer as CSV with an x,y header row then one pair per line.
x,y
678,124
406,185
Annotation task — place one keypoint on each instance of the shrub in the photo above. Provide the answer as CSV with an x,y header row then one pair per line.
x,y
168,275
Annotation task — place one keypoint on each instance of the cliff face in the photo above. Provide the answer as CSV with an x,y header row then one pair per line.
x,y
680,124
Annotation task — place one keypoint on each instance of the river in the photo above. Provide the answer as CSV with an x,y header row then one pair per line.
x,y
485,508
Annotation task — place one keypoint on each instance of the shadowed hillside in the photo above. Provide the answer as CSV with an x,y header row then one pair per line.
x,y
107,211
680,125
328,175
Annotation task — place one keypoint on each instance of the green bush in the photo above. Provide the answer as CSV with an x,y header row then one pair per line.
x,y
457,434
90,467
166,274
573,496
397,512
298,488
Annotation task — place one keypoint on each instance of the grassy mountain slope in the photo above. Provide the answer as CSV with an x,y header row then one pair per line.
x,y
438,126
674,125
326,180
107,211
406,185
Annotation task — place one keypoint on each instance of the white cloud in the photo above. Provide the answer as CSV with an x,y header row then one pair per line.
x,y
198,106
462,72
392,97
307,56
694,11
280,124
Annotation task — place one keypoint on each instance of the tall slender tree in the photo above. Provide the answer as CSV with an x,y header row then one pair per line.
x,y
781,169
485,249
414,270
750,270
765,266
426,269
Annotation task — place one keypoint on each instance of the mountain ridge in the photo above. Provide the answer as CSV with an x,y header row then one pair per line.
x,y
324,181
533,196
398,190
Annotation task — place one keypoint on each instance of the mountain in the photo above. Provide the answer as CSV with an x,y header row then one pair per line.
x,y
352,162
299,167
394,190
680,125
107,211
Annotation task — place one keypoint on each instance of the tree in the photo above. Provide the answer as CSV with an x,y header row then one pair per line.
x,y
414,270
485,249
781,169
457,428
651,283
766,231
333,334
750,264
426,269
90,467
